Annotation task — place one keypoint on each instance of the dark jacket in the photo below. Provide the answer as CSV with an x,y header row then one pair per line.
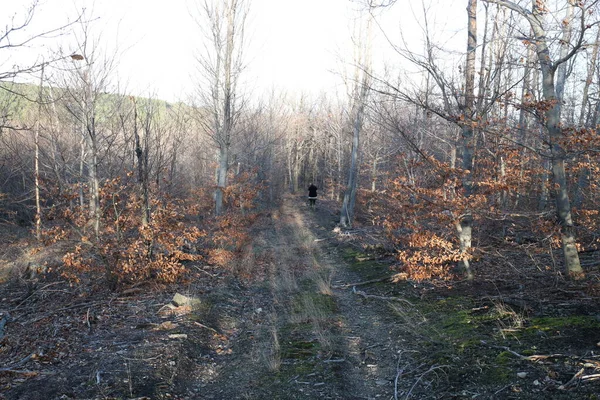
x,y
312,191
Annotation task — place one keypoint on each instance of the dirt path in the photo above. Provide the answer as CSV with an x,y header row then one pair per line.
x,y
305,334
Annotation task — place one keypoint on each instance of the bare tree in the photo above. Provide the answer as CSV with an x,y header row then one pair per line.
x,y
15,35
552,87
360,91
19,32
220,63
90,74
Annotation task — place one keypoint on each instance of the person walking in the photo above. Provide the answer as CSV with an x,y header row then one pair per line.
x,y
312,195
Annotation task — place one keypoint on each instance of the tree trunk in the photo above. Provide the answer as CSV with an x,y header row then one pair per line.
x,y
561,70
38,203
544,195
82,156
221,179
360,94
227,122
464,227
374,172
142,164
347,212
563,204
94,181
584,171
526,96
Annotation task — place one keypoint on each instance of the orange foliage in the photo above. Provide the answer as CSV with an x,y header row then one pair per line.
x,y
228,234
421,217
126,251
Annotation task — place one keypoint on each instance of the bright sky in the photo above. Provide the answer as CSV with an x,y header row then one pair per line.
x,y
295,45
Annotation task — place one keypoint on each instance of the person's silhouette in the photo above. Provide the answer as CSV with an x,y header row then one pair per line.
x,y
312,195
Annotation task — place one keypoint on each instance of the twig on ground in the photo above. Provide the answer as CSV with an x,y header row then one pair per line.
x,y
399,372
142,359
501,389
327,238
591,377
206,272
534,357
573,381
206,327
87,319
383,279
337,360
431,369
17,365
34,292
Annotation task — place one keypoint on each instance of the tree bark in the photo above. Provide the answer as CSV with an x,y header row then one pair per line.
x,y
347,212
360,94
221,178
588,81
227,125
38,203
142,165
464,227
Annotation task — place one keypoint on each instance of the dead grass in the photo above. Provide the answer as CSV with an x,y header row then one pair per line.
x,y
284,282
411,320
272,355
324,284
508,320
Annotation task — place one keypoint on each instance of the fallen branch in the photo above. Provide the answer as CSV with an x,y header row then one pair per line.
x,y
431,369
322,239
591,377
17,365
399,372
587,363
535,357
385,278
573,381
207,273
206,327
387,298
34,291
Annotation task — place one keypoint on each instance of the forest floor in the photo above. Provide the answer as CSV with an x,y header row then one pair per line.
x,y
315,318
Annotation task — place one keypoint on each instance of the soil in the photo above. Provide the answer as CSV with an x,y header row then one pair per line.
x,y
308,314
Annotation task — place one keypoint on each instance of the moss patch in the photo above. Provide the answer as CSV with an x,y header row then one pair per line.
x,y
314,303
299,349
566,322
365,265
